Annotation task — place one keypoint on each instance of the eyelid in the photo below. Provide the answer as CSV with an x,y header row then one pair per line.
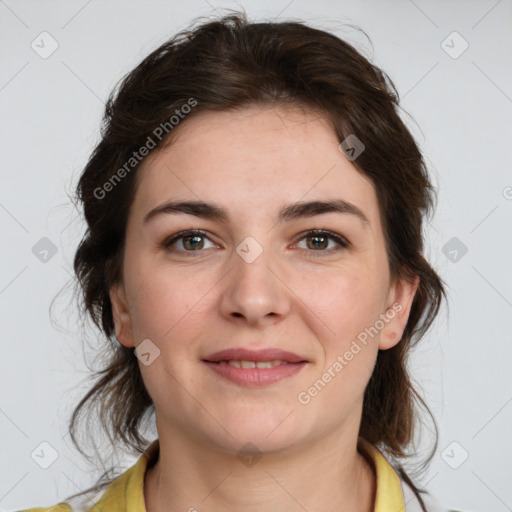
x,y
182,234
341,241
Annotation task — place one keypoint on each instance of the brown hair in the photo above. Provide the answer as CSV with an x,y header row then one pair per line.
x,y
226,64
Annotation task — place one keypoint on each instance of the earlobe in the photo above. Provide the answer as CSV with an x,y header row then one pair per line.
x,y
121,315
401,298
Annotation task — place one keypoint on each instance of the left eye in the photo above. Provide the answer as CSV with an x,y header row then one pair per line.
x,y
320,240
193,241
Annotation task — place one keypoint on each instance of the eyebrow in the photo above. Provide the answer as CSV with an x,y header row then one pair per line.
x,y
290,212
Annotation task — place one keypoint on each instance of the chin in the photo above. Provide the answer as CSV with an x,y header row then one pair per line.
x,y
266,435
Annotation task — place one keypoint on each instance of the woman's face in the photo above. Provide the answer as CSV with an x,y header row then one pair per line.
x,y
255,279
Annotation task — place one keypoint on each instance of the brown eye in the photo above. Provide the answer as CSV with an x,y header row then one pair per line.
x,y
190,241
318,241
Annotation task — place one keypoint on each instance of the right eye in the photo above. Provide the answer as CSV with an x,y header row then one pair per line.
x,y
190,241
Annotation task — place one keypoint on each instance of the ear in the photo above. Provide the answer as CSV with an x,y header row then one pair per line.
x,y
400,300
121,314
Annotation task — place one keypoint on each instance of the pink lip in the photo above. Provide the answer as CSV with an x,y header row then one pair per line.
x,y
254,377
242,354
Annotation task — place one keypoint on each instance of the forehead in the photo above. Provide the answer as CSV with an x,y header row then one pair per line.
x,y
257,159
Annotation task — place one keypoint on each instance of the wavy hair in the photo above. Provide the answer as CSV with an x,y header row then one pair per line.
x,y
230,63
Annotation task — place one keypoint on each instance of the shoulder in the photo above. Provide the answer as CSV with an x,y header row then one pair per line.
x,y
81,503
86,501
60,507
112,495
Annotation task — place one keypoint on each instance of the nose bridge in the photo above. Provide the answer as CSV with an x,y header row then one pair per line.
x,y
253,289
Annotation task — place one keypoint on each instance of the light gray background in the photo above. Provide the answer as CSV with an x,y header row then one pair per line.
x,y
461,109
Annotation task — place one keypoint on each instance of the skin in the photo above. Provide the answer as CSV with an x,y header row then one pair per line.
x,y
294,296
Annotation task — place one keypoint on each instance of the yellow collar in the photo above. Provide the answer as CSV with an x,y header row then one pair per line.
x,y
389,496
126,493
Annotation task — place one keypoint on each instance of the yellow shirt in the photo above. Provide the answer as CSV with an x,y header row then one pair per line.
x,y
126,492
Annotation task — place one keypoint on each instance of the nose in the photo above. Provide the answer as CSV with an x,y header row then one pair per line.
x,y
254,291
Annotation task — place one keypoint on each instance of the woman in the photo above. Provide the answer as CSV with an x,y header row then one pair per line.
x,y
254,246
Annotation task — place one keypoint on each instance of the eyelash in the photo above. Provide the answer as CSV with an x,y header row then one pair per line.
x,y
341,241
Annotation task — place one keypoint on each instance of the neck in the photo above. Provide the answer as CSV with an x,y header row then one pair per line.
x,y
189,477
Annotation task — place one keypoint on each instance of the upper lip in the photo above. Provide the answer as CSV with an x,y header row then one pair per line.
x,y
243,354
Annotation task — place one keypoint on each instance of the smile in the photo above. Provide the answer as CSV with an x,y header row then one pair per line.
x,y
255,373
254,364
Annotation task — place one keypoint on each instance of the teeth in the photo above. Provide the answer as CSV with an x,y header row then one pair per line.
x,y
254,364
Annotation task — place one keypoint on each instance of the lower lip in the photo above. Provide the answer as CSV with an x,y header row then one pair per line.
x,y
256,377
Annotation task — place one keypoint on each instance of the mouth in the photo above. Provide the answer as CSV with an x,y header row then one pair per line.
x,y
252,364
255,368
272,356
254,376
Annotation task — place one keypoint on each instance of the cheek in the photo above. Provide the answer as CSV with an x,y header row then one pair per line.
x,y
350,305
346,301
167,303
